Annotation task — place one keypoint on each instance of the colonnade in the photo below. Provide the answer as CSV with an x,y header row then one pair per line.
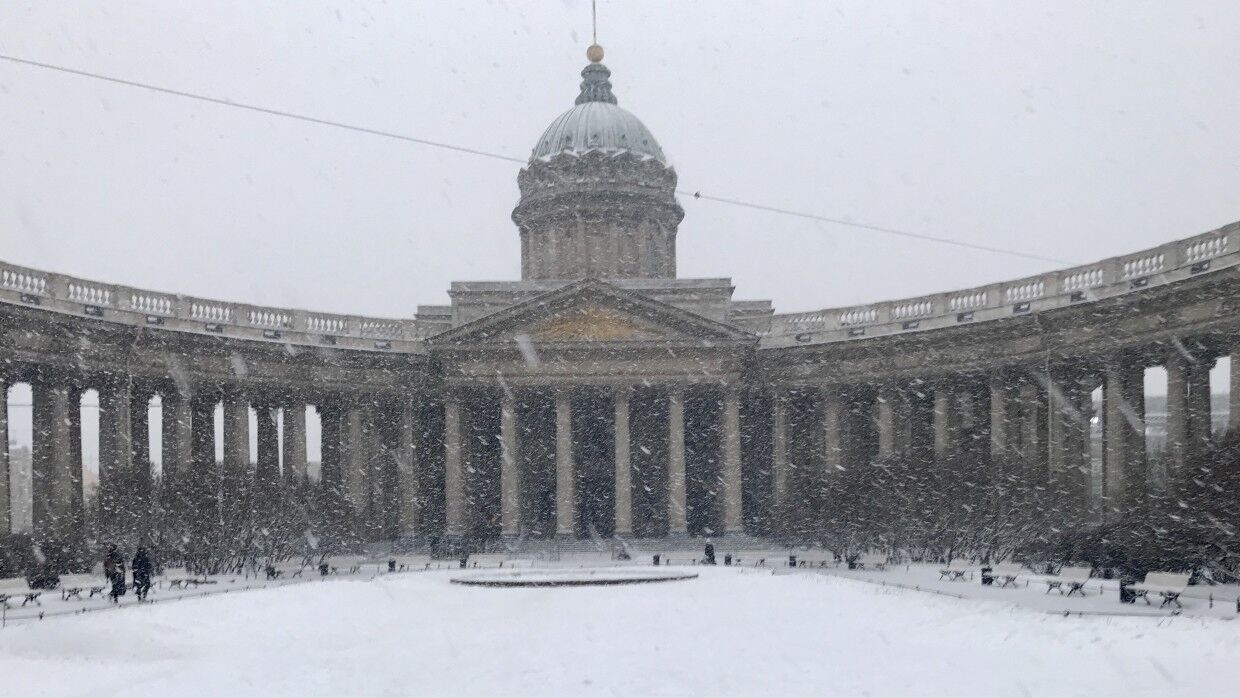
x,y
514,466
390,466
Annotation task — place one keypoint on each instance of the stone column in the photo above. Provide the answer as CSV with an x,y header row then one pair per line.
x,y
236,431
140,422
329,446
733,502
293,419
624,469
1177,411
1135,397
677,509
176,419
1117,421
510,468
52,474
115,452
1200,423
204,466
1058,400
454,475
998,418
779,454
354,458
407,469
565,494
1032,429
6,513
1233,418
886,424
832,432
267,466
942,421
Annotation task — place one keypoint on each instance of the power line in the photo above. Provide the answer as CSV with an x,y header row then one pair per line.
x,y
508,158
876,228
265,110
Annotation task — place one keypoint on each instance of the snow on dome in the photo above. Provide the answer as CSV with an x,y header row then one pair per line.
x,y
597,123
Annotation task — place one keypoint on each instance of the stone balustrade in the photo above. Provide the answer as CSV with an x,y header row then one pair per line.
x,y
1208,252
1175,261
133,306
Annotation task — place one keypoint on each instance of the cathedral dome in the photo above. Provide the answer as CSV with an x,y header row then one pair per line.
x,y
597,123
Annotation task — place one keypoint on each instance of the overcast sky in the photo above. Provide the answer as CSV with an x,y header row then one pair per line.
x,y
1076,130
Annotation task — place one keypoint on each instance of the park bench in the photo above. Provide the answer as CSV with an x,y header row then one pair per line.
x,y
1168,585
1073,577
1006,573
97,591
871,561
761,558
955,570
27,597
814,558
71,593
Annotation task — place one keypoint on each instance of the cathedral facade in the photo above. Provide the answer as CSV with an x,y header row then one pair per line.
x,y
603,396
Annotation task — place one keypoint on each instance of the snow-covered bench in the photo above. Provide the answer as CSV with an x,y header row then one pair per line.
x,y
497,560
814,558
765,558
871,561
1006,573
1072,577
1168,585
955,570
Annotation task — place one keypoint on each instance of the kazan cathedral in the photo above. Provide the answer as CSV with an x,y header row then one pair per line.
x,y
603,397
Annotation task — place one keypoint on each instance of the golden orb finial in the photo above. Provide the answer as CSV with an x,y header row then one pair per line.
x,y
594,53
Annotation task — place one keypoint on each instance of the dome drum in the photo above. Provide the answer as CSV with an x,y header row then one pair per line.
x,y
598,198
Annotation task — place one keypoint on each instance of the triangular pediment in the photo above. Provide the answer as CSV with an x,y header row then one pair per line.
x,y
591,311
594,322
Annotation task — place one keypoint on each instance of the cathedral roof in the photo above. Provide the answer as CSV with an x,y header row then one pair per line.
x,y
597,123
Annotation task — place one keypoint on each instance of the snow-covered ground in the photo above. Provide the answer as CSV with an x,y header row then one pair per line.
x,y
728,632
1030,591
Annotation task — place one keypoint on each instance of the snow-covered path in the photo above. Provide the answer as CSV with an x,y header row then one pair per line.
x,y
726,633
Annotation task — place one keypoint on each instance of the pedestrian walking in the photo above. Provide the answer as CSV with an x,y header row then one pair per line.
x,y
114,570
142,570
709,556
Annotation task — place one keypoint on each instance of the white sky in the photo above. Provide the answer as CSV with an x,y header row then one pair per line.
x,y
1077,130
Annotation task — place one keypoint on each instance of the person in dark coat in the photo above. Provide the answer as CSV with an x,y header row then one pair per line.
x,y
709,557
114,570
142,570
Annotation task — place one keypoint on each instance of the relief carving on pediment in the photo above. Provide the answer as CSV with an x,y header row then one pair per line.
x,y
592,324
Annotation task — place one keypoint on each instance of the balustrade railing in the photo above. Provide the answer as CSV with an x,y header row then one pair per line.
x,y
1125,274
1128,273
138,306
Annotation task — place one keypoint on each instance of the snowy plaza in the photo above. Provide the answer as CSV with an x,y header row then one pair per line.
x,y
729,632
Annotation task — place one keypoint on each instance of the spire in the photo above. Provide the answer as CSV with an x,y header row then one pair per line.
x,y
595,87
